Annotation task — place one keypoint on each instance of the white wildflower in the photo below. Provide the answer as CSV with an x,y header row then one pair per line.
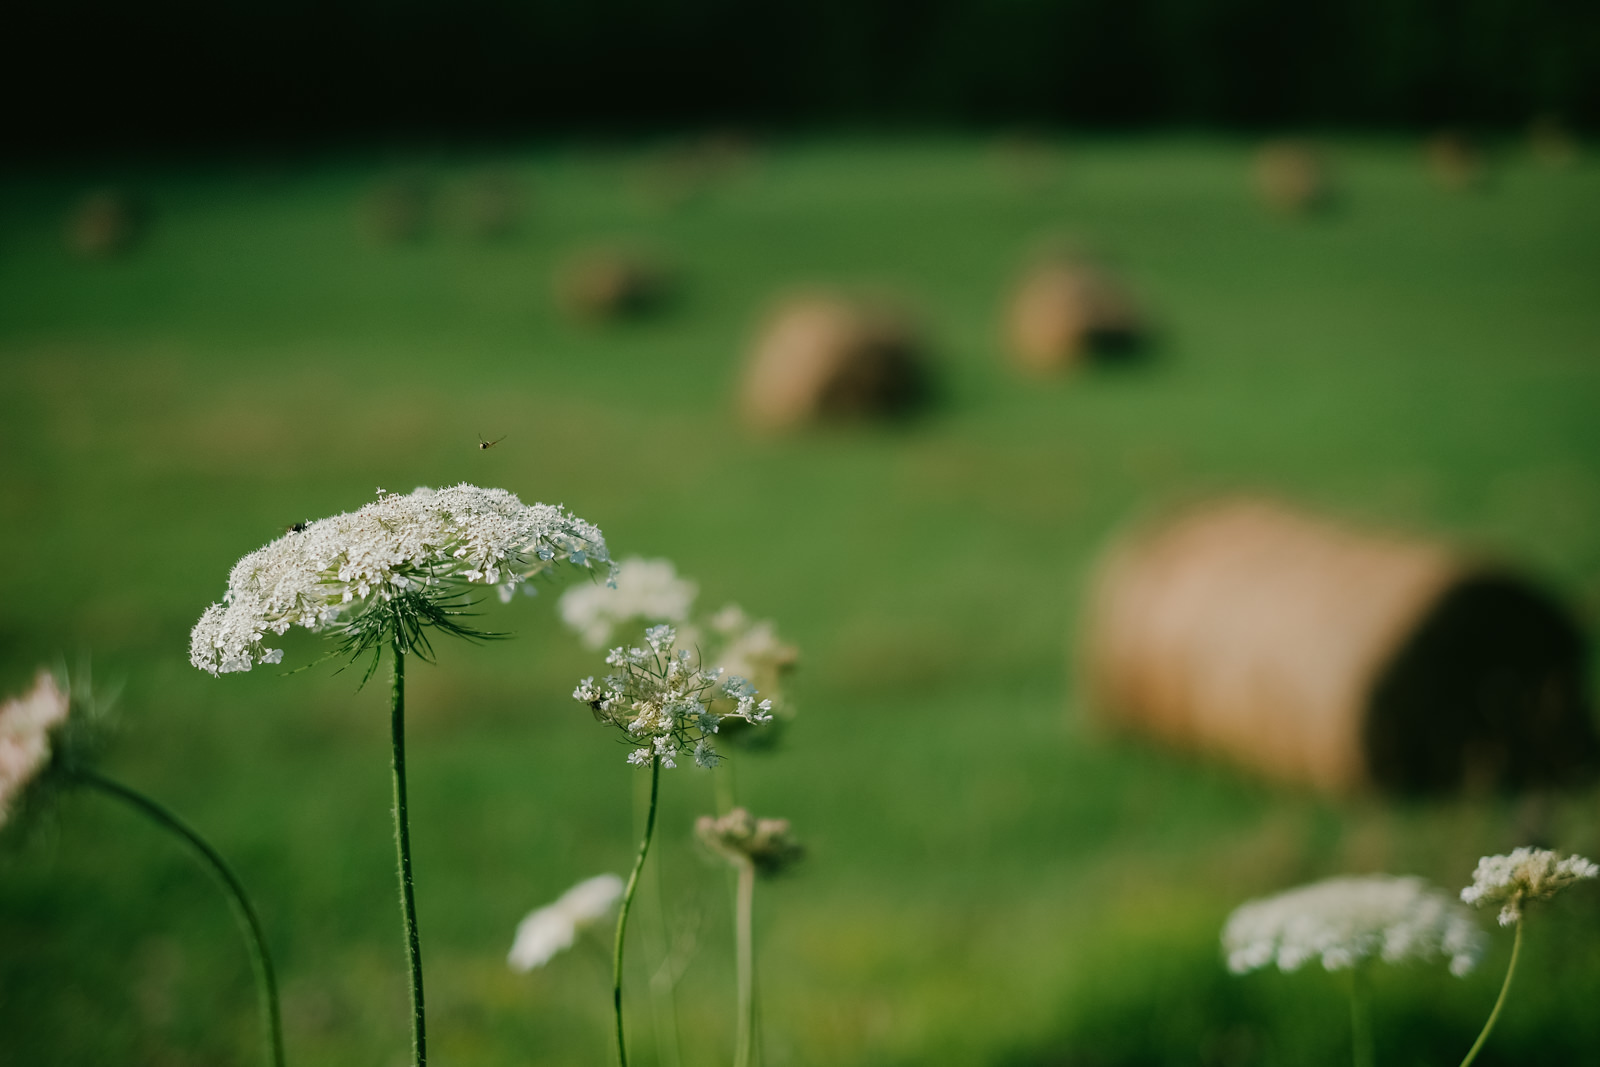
x,y
660,697
1527,874
25,725
739,837
554,927
1343,921
646,590
429,545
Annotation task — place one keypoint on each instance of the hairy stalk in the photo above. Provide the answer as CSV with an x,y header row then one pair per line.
x,y
627,902
402,843
1360,1019
249,925
1500,1001
745,953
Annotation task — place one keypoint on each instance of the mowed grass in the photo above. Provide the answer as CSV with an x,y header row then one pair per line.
x,y
990,880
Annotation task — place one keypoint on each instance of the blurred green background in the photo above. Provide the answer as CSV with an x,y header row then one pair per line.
x,y
991,881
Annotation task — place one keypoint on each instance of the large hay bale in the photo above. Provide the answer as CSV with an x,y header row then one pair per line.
x,y
1456,161
105,224
821,356
603,285
1293,178
1065,311
399,210
1319,654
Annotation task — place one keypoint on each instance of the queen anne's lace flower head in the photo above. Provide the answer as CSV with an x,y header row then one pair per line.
x,y
554,927
660,697
420,549
1342,921
26,723
767,844
750,648
647,590
1527,874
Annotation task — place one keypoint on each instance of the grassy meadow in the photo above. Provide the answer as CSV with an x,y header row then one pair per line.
x,y
990,879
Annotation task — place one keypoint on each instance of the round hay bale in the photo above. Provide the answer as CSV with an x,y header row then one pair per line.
x,y
1552,143
106,223
1456,161
600,286
1292,178
820,356
1066,311
399,210
1319,654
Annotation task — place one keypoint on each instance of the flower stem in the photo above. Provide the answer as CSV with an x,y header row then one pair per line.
x,y
627,902
402,843
745,962
1360,1020
249,925
1500,1001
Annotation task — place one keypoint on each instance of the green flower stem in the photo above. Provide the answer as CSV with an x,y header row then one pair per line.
x,y
1500,1001
249,925
1360,1019
745,957
402,843
627,902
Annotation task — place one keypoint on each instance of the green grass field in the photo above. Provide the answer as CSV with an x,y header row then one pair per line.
x,y
990,880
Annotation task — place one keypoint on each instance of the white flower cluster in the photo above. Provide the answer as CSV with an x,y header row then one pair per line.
x,y
766,844
25,725
660,697
647,590
750,648
325,573
554,927
1345,920
1527,874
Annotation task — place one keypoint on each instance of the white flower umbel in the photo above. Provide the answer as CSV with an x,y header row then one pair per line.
x,y
1343,921
645,590
1527,874
392,568
660,698
1512,881
750,648
554,927
25,726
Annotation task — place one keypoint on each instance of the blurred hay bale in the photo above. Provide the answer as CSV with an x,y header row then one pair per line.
x,y
1456,161
493,206
1065,311
686,172
1323,655
822,356
1552,143
106,223
1292,177
399,210
603,285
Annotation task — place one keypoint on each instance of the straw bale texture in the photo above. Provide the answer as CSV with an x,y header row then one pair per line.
x,y
1320,654
821,356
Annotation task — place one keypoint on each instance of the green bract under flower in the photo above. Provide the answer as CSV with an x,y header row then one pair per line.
x,y
395,566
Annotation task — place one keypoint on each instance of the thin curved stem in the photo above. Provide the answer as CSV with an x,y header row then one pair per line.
x,y
1500,1001
402,844
744,943
1360,1019
243,912
627,902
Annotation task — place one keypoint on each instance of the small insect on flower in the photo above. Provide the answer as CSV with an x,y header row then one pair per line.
x,y
297,527
484,446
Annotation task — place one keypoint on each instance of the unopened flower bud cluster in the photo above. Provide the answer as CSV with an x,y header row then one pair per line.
x,y
432,542
660,697
767,844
